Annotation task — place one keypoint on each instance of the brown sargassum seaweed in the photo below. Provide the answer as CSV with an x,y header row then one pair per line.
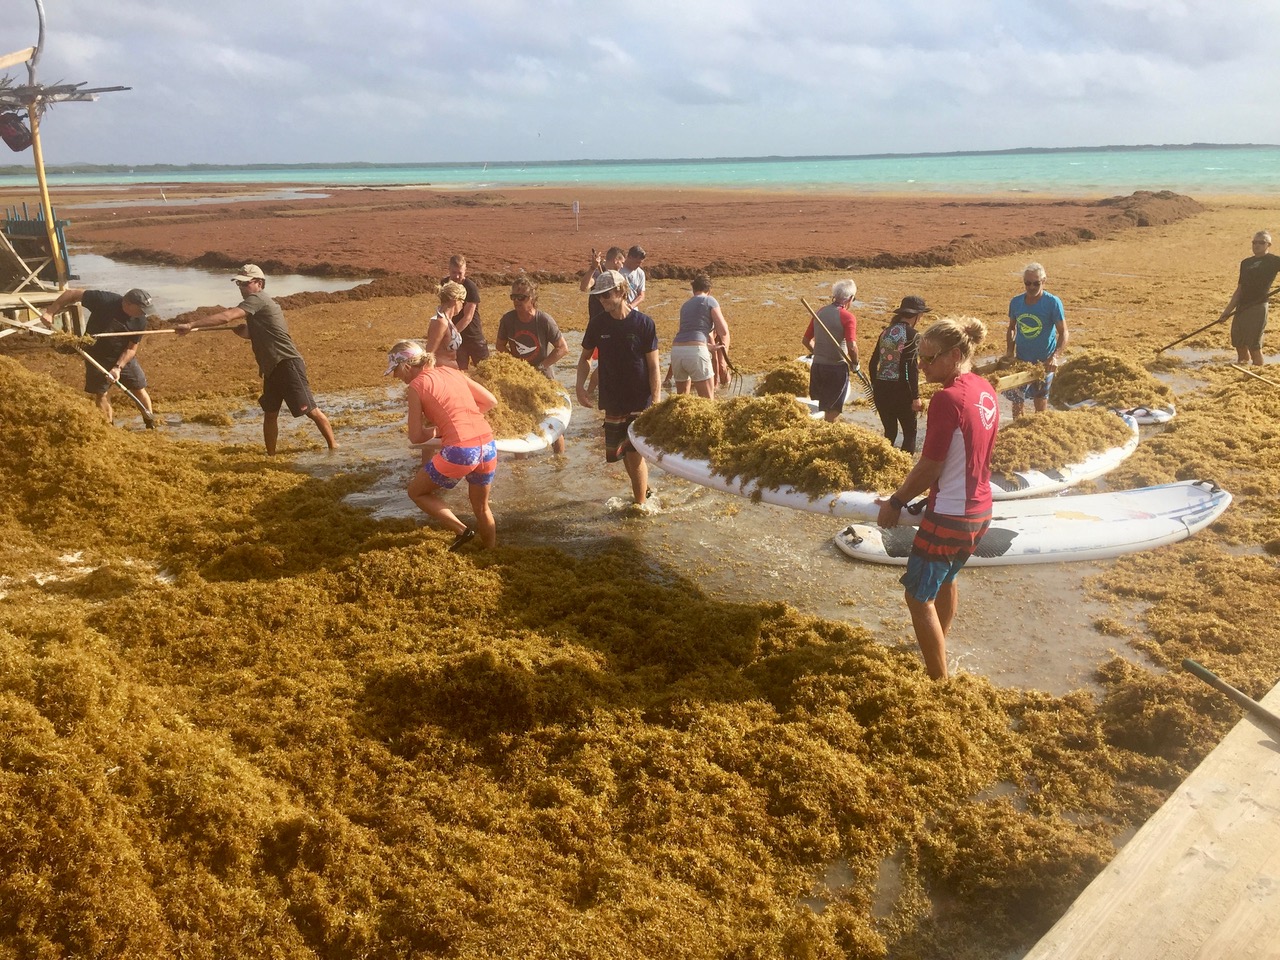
x,y
1110,379
239,718
524,395
1055,439
772,441
790,378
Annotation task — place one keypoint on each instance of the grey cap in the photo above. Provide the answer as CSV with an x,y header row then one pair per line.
x,y
139,297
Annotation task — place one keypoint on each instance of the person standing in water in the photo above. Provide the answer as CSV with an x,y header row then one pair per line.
x,y
955,468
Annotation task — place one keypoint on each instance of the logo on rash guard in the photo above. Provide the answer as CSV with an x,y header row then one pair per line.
x,y
1030,326
987,410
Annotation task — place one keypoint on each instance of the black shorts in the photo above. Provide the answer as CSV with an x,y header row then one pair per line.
x,y
617,442
131,376
829,385
287,383
472,352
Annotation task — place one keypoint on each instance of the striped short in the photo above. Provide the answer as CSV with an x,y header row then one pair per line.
x,y
943,545
451,464
617,443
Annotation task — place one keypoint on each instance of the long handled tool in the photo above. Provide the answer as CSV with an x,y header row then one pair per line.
x,y
155,333
1270,294
1251,705
867,393
148,417
1250,373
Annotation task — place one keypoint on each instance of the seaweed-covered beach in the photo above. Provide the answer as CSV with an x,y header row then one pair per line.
x,y
251,707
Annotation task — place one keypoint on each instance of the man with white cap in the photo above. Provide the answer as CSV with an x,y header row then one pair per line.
x,y
109,313
260,320
629,374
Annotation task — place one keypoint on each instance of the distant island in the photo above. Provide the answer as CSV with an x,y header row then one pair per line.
x,y
126,168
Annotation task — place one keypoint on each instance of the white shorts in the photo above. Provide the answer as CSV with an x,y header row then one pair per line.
x,y
691,361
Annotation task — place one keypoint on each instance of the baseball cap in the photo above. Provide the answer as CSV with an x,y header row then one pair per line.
x,y
607,280
406,352
250,271
911,306
138,296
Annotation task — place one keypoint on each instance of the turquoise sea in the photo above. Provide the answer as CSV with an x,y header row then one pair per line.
x,y
1103,171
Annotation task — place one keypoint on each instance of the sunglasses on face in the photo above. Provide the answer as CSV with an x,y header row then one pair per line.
x,y
519,297
929,358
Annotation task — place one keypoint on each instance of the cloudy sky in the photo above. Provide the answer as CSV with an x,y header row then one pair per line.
x,y
289,81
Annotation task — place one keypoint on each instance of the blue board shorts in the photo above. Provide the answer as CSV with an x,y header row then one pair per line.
x,y
1030,391
478,464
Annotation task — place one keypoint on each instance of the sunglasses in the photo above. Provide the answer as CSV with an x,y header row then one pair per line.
x,y
1033,283
931,357
519,297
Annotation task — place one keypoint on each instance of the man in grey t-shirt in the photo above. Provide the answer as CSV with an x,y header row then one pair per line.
x,y
260,320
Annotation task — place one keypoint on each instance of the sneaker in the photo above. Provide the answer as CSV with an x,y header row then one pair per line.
x,y
464,537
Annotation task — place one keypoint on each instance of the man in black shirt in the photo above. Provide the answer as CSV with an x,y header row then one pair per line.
x,y
474,345
109,313
1249,302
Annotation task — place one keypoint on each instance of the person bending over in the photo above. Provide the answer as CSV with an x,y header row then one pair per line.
x,y
444,402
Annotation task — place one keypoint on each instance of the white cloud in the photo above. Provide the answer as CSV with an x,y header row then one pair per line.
x,y
519,79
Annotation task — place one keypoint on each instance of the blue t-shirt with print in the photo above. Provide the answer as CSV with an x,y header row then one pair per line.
x,y
1036,337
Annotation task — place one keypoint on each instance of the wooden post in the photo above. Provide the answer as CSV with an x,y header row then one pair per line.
x,y
46,205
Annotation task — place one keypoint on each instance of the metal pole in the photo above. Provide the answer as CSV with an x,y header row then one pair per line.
x,y
37,155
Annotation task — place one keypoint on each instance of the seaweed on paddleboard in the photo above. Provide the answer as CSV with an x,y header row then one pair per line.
x,y
791,378
1054,439
524,395
770,440
1110,379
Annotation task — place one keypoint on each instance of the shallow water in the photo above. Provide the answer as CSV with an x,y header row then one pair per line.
x,y
179,289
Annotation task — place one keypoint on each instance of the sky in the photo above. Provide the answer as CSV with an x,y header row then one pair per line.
x,y
404,81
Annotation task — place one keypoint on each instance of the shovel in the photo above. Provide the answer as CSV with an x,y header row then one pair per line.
x,y
147,417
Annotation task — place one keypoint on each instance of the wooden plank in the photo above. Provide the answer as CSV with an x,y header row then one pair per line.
x,y
1201,879
1016,379
18,56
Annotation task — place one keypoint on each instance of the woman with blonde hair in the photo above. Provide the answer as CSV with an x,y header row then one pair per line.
x,y
444,402
443,338
955,468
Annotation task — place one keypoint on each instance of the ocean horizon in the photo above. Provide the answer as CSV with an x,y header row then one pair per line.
x,y
1191,169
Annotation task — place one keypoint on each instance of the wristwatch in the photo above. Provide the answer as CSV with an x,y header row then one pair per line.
x,y
896,503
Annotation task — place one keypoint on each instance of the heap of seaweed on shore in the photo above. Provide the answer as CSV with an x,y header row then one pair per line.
x,y
1053,439
524,395
1109,379
772,442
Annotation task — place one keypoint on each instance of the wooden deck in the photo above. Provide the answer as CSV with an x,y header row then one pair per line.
x,y
1201,879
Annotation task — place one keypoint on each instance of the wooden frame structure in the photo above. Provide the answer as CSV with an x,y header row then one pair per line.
x,y
17,274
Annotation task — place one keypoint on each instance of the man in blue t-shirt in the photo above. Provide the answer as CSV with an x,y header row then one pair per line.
x,y
1037,334
628,343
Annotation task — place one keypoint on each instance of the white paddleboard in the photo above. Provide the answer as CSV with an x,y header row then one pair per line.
x,y
553,425
811,407
851,503
1061,529
1144,416
1030,483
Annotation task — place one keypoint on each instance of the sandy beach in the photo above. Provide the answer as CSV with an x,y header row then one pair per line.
x,y
718,744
